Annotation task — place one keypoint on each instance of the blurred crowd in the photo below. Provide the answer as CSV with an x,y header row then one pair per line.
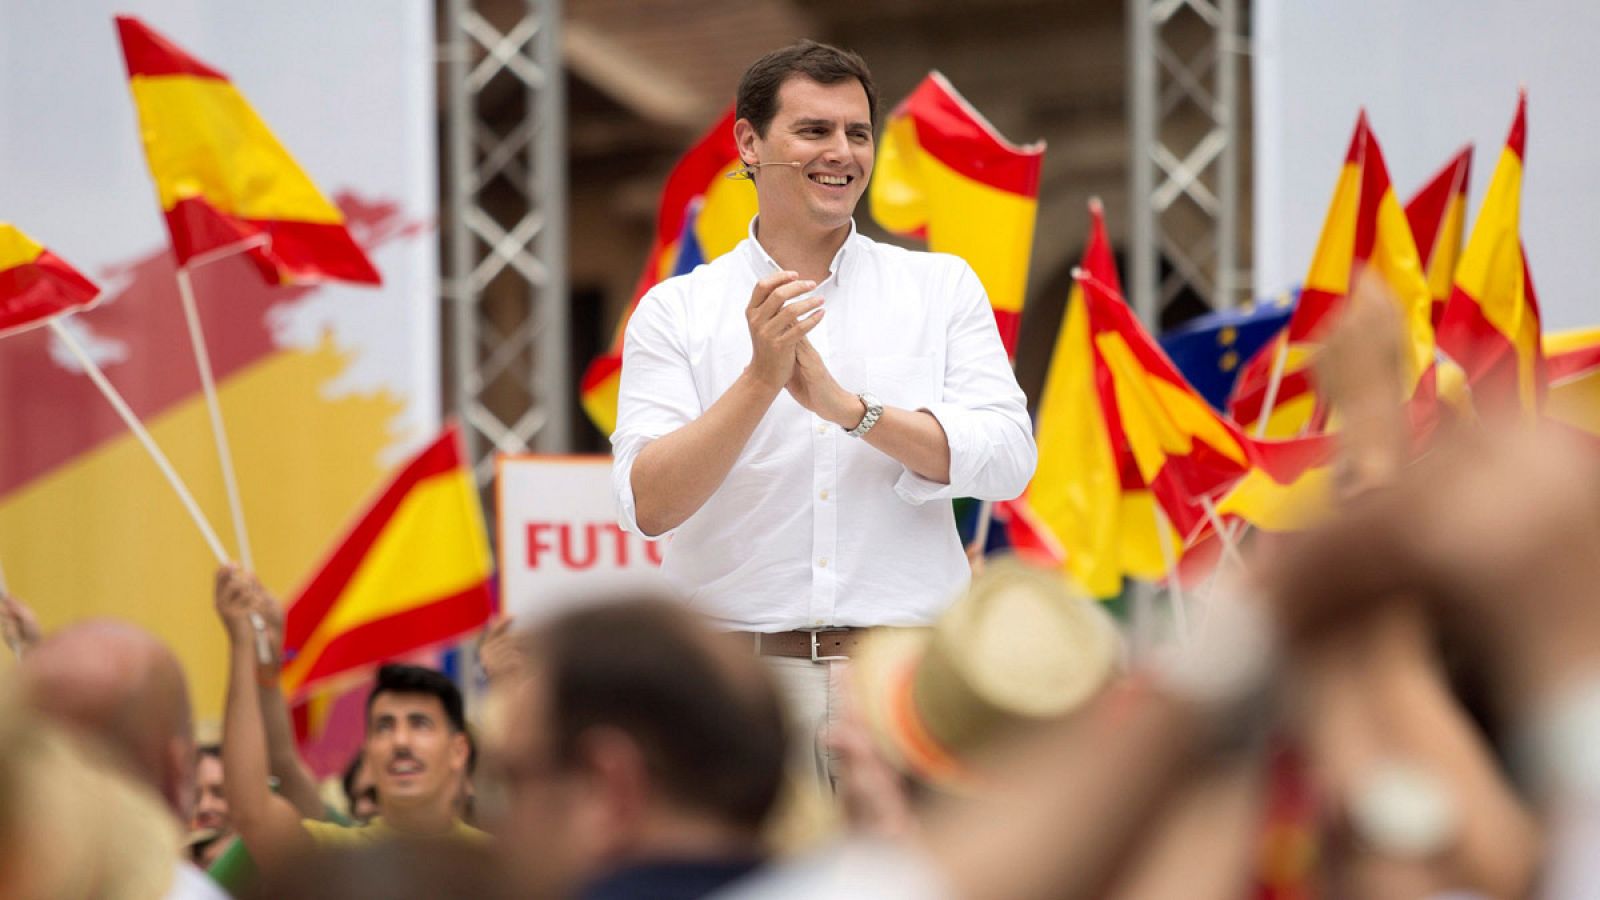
x,y
1402,701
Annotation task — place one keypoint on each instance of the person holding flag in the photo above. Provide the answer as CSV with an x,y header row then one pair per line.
x,y
789,411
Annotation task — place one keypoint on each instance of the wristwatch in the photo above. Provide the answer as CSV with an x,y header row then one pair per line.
x,y
874,410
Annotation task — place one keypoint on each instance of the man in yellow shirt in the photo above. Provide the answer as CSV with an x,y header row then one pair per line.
x,y
416,747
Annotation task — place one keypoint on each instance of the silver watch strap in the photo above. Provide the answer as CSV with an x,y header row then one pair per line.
x,y
869,418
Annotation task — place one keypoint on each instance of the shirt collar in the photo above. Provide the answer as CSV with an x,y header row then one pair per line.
x,y
765,265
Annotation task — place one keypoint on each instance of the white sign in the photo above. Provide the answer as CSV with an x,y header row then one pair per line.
x,y
1433,75
558,540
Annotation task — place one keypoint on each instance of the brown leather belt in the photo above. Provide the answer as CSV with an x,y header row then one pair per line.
x,y
823,645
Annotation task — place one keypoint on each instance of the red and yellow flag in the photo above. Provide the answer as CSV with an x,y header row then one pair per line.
x,y
1572,364
1438,217
945,174
1087,495
1179,445
723,219
222,177
1491,325
414,571
35,284
1365,228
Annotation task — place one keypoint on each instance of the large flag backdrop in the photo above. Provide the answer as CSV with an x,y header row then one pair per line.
x,y
325,388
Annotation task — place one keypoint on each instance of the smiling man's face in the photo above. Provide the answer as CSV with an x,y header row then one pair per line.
x,y
827,129
412,752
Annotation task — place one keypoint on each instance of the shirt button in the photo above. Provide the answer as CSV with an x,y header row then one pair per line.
x,y
822,429
822,563
823,495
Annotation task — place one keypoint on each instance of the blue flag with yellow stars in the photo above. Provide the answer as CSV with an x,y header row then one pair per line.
x,y
1210,350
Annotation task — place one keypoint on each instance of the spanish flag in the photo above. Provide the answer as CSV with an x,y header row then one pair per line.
x,y
1572,364
722,219
945,174
414,571
1088,505
1365,227
35,284
1179,445
222,178
1491,325
1438,217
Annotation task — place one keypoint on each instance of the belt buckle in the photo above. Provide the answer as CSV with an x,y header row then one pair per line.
x,y
817,659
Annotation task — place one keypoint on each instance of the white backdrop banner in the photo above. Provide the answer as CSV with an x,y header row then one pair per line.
x,y
558,542
324,388
1433,75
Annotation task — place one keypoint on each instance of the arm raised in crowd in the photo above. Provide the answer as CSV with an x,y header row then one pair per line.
x,y
268,824
295,781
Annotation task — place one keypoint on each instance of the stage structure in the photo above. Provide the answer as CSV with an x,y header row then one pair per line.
x,y
1184,199
509,377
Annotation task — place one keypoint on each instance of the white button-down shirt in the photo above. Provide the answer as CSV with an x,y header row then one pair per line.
x,y
813,527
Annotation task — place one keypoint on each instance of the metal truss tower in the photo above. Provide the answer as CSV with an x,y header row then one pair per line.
x,y
1184,197
505,225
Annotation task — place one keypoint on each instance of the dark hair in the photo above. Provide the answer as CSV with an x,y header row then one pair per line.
x,y
399,678
757,99
711,731
208,750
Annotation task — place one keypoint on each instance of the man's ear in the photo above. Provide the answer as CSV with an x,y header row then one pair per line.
x,y
744,137
615,765
460,751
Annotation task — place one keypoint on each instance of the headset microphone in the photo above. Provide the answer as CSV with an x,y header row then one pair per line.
x,y
748,170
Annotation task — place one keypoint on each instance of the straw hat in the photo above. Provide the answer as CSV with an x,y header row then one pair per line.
x,y
1019,647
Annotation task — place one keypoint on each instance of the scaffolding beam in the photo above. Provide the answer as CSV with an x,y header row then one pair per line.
x,y
1184,199
505,280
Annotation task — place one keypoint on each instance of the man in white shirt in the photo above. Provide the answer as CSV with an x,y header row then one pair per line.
x,y
796,414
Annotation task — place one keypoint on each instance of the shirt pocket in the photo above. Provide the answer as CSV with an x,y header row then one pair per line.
x,y
907,382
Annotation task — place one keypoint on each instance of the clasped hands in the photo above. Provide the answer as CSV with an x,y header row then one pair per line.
x,y
782,358
250,613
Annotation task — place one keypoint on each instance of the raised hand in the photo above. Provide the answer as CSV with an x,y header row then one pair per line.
x,y
776,329
270,612
239,600
499,655
233,594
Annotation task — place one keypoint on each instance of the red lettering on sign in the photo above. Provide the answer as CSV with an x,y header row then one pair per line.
x,y
573,560
537,542
585,546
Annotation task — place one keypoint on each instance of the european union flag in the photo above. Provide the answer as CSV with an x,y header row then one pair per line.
x,y
1211,349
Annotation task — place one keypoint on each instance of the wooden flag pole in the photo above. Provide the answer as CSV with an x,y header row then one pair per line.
x,y
219,434
138,429
1279,360
1180,614
1230,550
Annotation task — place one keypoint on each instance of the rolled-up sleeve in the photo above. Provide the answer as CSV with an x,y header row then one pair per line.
x,y
656,395
983,411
